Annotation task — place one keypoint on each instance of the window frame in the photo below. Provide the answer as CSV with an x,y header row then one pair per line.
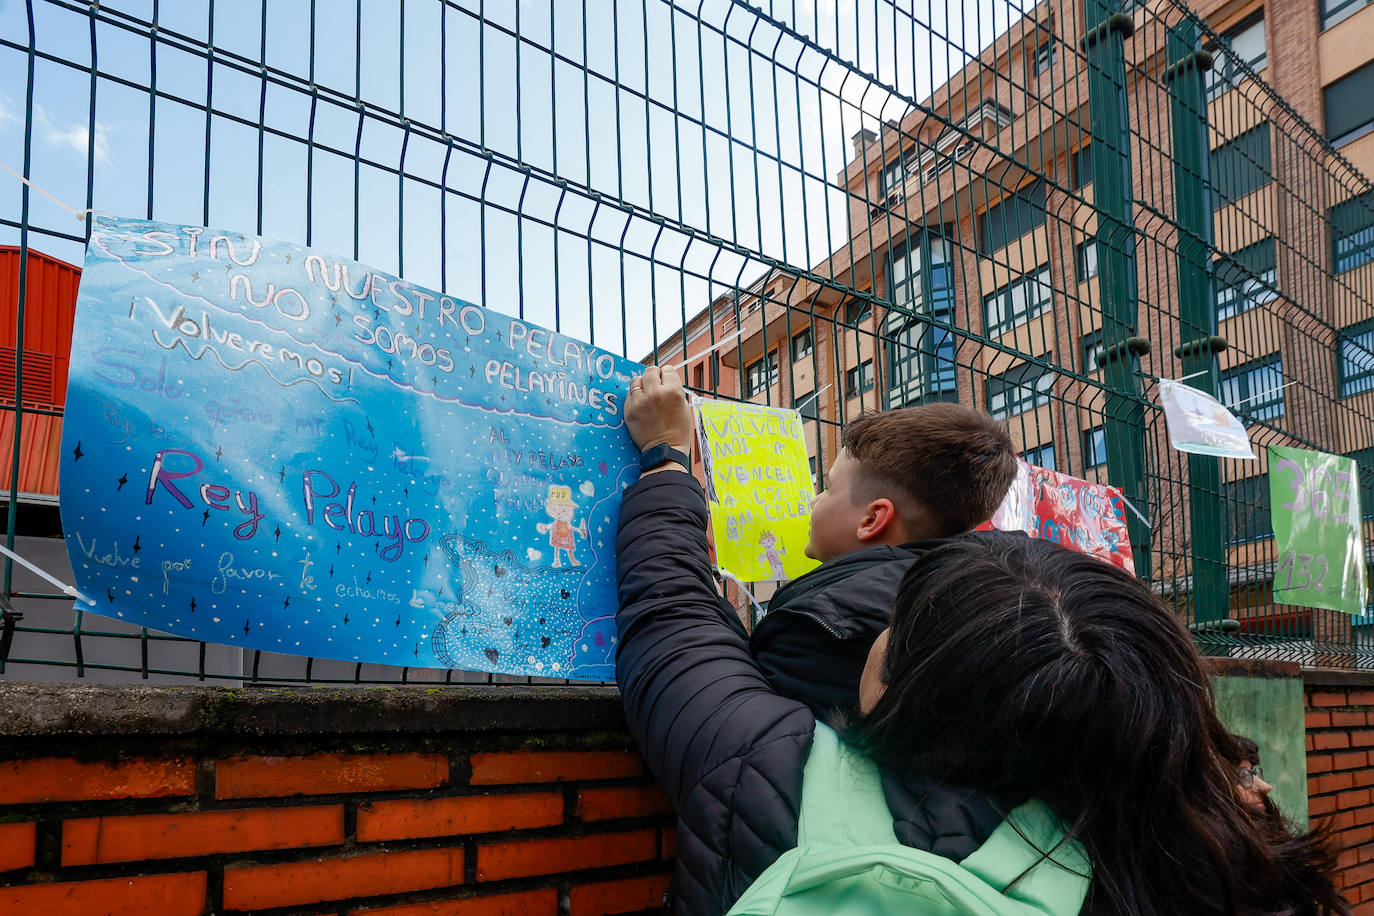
x,y
1029,196
1239,182
1362,253
810,344
1091,436
1260,521
1235,272
1035,377
861,375
1035,456
1343,11
767,378
1026,285
1222,77
1363,74
1080,260
813,409
917,330
1244,403
1349,385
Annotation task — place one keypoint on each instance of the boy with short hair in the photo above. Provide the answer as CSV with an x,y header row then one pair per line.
x,y
903,480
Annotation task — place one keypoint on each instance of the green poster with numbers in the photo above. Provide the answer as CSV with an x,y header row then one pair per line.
x,y
1316,512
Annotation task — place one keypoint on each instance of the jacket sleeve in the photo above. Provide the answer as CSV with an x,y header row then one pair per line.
x,y
696,702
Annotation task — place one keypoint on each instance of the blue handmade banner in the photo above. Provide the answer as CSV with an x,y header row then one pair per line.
x,y
281,449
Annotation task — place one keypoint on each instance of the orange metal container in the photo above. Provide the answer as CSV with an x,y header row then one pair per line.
x,y
50,296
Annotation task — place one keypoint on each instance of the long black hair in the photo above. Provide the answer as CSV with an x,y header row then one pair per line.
x,y
1015,664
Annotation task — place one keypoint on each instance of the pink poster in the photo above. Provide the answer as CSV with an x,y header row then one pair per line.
x,y
1086,516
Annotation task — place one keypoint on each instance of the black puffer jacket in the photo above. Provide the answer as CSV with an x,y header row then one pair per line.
x,y
726,747
814,640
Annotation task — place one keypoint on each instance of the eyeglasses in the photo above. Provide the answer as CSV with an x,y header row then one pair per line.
x,y
1247,776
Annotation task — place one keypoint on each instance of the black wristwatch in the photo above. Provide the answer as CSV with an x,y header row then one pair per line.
x,y
651,458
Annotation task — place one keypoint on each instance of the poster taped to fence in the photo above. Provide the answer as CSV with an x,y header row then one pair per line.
x,y
1200,424
1315,499
271,447
1077,513
759,483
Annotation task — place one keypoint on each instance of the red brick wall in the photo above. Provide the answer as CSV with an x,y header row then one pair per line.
x,y
1340,772
425,824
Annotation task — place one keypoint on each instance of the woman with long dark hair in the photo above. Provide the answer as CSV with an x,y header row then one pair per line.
x,y
1027,699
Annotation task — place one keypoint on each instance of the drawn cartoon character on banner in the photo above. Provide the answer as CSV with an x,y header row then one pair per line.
x,y
562,534
772,553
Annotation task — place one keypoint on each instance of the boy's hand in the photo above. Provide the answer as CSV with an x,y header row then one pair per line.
x,y
657,411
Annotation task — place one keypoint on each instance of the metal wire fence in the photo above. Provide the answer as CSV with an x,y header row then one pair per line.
x,y
1036,210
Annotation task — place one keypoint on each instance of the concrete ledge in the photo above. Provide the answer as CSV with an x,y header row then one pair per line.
x,y
1337,677
52,710
1251,667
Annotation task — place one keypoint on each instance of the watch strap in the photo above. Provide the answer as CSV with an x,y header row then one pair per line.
x,y
651,458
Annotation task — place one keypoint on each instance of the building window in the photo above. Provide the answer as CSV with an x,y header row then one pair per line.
x,y
859,379
1352,232
1094,447
761,374
1245,279
1042,456
918,329
1357,359
1254,391
802,344
857,310
1019,389
1085,260
808,405
1334,11
896,172
1016,303
1246,43
1044,57
1081,167
1241,166
1247,509
1005,222
699,376
1092,352
1349,106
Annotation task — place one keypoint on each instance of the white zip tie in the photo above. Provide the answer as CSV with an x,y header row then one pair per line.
x,y
814,394
1145,521
726,574
726,342
66,589
1256,397
79,214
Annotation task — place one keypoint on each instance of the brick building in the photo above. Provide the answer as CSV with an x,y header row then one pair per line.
x,y
971,272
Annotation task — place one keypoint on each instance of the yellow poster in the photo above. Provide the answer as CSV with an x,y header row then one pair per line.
x,y
759,483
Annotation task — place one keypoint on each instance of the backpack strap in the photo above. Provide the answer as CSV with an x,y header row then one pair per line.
x,y
1055,883
842,797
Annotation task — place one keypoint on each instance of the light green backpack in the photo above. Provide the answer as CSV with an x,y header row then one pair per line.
x,y
848,860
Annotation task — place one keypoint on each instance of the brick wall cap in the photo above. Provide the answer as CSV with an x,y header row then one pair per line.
x,y
1253,667
55,709
1336,677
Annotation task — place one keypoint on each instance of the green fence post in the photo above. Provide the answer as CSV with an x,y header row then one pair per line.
x,y
1124,415
1196,317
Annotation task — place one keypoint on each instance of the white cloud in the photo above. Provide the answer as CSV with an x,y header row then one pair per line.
x,y
7,115
77,137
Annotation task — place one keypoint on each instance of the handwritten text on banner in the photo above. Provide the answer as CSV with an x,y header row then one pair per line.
x,y
272,447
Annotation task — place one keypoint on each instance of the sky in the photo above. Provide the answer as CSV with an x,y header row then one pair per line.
x,y
589,163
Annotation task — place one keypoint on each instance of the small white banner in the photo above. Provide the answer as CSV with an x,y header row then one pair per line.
x,y
1201,424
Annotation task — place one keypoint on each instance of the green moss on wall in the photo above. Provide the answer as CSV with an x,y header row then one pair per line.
x,y
1271,711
